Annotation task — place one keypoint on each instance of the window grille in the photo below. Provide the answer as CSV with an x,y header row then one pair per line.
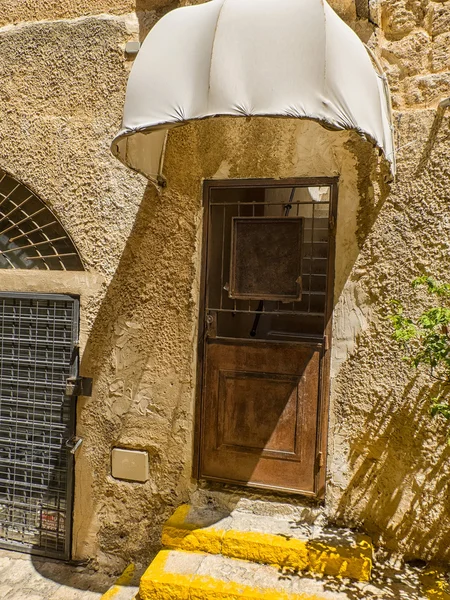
x,y
31,237
274,319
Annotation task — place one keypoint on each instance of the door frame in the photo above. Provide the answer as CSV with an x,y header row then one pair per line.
x,y
324,375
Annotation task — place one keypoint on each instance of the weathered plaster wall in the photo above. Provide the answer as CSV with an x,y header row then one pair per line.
x,y
12,11
61,95
56,125
147,12
389,467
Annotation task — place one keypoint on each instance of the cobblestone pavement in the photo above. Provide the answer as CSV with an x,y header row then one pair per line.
x,y
25,577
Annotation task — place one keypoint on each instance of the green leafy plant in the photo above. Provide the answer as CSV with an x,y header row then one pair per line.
x,y
426,339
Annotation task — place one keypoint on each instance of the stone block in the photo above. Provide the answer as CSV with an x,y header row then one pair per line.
x,y
400,18
411,54
346,9
269,540
14,11
393,73
175,575
441,53
187,576
266,549
362,9
426,89
439,18
375,12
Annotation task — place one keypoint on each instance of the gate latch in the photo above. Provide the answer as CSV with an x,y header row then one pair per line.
x,y
79,386
211,324
74,443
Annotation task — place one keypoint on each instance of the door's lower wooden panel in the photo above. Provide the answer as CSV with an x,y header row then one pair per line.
x,y
244,397
260,405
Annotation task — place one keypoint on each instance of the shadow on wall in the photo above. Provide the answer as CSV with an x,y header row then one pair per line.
x,y
393,482
150,11
139,353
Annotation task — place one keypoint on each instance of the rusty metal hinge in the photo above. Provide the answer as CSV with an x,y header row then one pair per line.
x,y
78,386
320,462
211,324
74,443
332,224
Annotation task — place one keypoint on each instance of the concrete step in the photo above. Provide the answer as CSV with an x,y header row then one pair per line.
x,y
178,575
282,542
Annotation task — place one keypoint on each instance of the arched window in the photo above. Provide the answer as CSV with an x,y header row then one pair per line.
x,y
31,237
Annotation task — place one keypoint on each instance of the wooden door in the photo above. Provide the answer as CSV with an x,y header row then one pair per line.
x,y
264,348
260,414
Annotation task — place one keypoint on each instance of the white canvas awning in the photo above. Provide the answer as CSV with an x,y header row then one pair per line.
x,y
290,58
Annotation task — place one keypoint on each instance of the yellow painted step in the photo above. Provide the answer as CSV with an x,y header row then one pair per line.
x,y
435,584
345,556
123,588
176,575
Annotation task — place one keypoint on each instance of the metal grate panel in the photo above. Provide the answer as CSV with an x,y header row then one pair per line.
x,y
258,316
266,258
37,343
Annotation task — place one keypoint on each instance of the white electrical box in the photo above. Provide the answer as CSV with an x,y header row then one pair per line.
x,y
131,465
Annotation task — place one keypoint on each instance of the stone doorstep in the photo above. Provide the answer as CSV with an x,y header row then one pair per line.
x,y
269,540
434,582
179,575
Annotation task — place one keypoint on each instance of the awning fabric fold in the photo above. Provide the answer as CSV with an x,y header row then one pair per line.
x,y
287,58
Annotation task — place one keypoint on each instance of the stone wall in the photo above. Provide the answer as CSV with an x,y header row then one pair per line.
x,y
63,75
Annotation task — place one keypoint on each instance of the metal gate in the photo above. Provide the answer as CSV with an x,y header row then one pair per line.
x,y
38,352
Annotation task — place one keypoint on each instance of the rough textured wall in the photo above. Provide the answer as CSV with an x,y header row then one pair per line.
x,y
139,298
14,11
56,126
390,468
148,12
